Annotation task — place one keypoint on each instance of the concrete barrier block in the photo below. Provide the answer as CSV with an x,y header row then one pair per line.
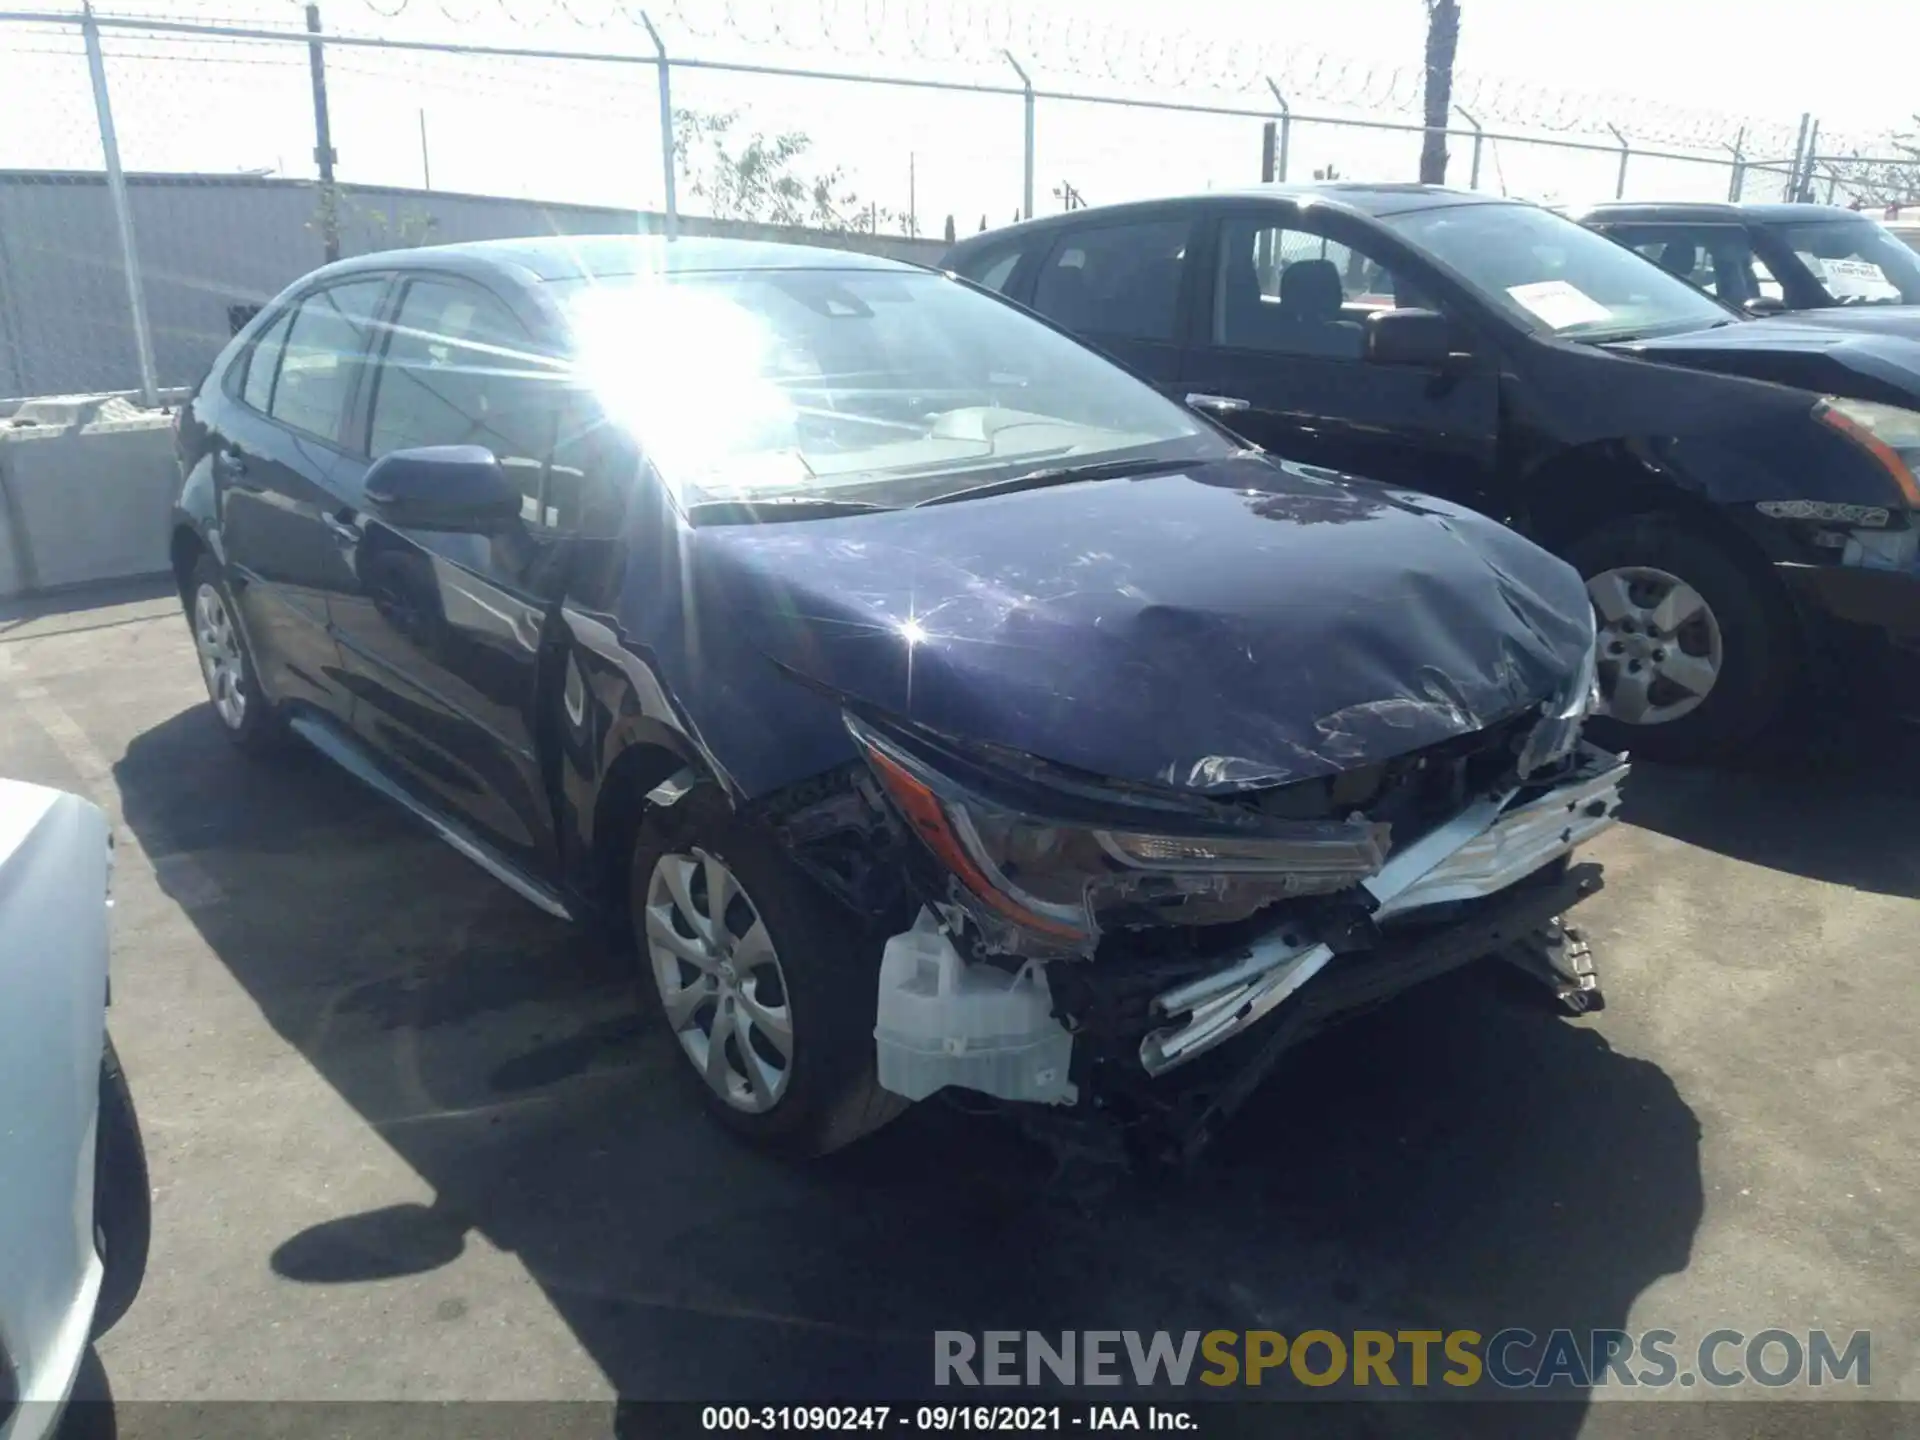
x,y
86,486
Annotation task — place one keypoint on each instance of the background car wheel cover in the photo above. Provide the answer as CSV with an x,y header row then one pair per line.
x,y
1661,650
217,640
720,982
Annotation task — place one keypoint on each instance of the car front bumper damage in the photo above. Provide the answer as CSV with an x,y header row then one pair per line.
x,y
1494,879
1483,851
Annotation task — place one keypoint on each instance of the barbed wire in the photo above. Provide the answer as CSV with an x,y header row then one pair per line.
x,y
1117,51
1106,49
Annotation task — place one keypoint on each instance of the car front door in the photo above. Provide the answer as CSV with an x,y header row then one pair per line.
x,y
1118,284
284,479
1281,358
446,634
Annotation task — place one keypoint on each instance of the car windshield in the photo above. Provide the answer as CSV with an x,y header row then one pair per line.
x,y
854,386
1855,261
1556,276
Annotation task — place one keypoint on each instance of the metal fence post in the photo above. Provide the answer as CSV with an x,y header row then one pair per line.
x,y
667,158
1479,138
1805,187
1626,153
1286,131
323,152
1026,185
122,211
1799,150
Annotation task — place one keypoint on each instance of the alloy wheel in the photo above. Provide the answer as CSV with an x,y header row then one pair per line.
x,y
1661,650
719,978
217,639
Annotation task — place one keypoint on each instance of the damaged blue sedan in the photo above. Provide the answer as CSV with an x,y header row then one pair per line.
x,y
928,703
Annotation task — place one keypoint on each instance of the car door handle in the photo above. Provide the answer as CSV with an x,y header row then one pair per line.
x,y
340,522
1219,404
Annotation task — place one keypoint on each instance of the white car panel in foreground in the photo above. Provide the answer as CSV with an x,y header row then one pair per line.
x,y
54,870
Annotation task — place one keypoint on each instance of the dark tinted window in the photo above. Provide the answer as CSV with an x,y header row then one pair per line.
x,y
1719,259
1121,280
329,334
992,268
461,370
1293,292
261,361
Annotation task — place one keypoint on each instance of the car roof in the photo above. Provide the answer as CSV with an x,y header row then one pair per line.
x,y
576,257
1725,211
1352,196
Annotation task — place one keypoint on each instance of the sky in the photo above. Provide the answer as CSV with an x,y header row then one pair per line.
x,y
1679,75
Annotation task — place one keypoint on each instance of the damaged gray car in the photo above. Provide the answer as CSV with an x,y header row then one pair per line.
x,y
932,705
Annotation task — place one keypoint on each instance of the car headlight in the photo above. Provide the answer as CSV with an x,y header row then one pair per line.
x,y
1889,433
1053,873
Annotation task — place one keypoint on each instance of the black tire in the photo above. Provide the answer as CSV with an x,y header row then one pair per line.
x,y
122,1196
262,728
1760,641
830,963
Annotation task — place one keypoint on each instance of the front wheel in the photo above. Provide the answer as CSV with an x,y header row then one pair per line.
x,y
1697,649
768,987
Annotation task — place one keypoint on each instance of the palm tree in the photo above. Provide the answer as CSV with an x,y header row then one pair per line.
x,y
1443,39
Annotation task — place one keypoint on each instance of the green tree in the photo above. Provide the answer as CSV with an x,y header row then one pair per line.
x,y
741,175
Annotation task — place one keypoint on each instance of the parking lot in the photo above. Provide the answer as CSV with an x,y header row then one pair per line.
x,y
409,1138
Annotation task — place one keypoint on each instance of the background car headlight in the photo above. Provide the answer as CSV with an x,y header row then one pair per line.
x,y
1890,434
1054,877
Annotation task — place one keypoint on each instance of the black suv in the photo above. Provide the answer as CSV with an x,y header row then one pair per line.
x,y
1731,489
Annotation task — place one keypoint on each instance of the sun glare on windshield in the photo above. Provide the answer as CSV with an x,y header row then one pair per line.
x,y
687,370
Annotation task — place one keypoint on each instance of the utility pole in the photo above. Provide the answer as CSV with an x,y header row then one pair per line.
x,y
913,196
122,210
323,155
426,169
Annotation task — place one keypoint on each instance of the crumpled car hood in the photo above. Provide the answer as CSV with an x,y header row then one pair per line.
x,y
1833,352
1241,623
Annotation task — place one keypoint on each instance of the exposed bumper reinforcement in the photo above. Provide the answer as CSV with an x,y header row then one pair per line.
x,y
1484,850
1364,980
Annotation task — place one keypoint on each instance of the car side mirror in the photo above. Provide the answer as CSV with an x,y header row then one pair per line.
x,y
1764,305
458,488
1419,338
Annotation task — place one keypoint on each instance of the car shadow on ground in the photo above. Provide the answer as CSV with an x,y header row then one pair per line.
x,y
1850,787
1462,1158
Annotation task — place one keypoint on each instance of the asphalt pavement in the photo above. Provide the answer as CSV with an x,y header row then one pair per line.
x,y
411,1139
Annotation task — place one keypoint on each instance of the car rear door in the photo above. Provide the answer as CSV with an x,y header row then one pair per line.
x,y
283,478
1121,284
1279,356
445,635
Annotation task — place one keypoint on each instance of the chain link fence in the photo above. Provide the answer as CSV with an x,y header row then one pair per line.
x,y
180,169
